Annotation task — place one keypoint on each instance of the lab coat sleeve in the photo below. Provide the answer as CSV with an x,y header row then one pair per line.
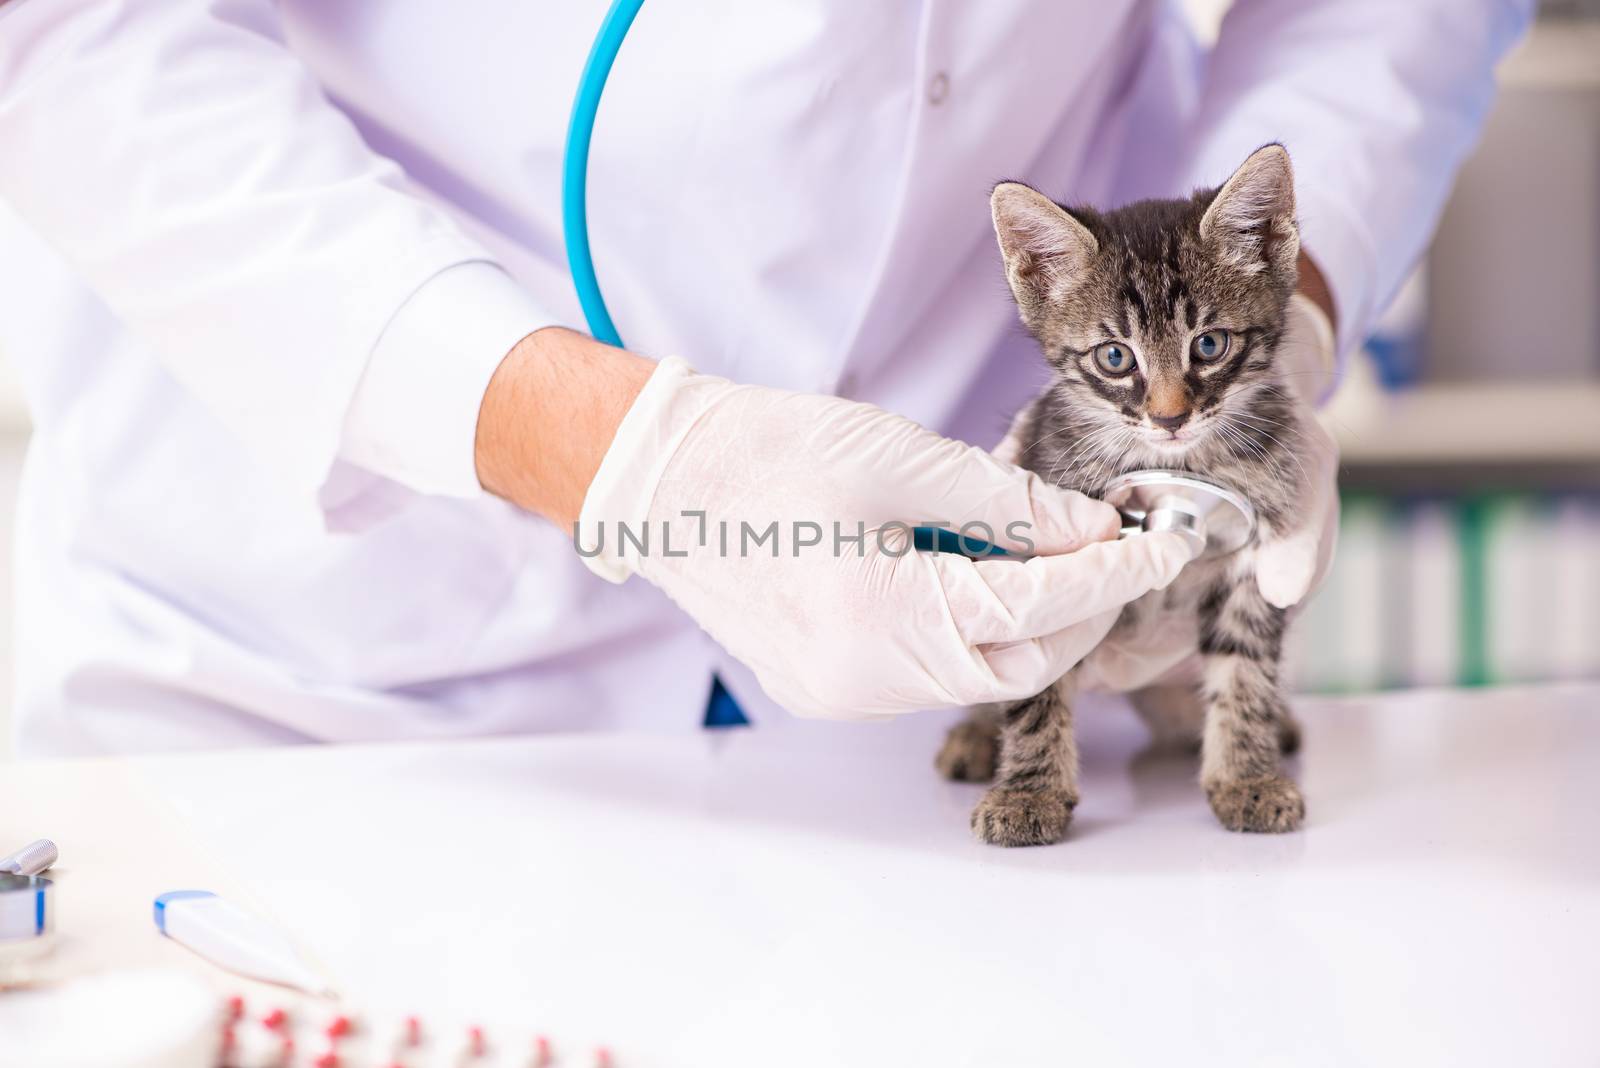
x,y
188,166
1378,103
414,416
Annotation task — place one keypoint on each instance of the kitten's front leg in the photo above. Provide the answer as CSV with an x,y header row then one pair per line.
x,y
1032,802
1241,642
1175,715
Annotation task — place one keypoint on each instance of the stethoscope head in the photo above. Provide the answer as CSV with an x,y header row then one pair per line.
x,y
1215,520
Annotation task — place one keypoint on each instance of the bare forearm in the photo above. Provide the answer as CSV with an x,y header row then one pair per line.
x,y
548,416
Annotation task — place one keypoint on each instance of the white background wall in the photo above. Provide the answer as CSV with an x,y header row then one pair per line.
x,y
12,443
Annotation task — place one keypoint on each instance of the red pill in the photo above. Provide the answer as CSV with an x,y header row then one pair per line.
x,y
236,1008
413,1031
541,1052
339,1026
274,1020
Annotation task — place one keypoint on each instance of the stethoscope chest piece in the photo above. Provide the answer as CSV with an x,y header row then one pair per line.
x,y
1216,520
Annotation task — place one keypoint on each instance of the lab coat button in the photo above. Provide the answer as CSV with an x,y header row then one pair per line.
x,y
938,88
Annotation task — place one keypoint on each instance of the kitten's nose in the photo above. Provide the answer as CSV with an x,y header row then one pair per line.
x,y
1170,422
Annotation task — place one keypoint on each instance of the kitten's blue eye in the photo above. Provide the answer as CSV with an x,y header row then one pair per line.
x,y
1114,359
1211,345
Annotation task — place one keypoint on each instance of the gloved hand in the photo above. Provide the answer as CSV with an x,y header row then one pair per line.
x,y
1290,564
847,628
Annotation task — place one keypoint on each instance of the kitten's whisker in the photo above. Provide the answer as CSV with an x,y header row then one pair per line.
x,y
1080,449
1099,444
1281,373
1237,424
1268,387
1096,444
1305,475
1065,455
1234,433
1042,440
1288,428
1342,425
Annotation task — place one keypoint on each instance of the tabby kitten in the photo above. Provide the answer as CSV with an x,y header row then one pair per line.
x,y
1160,321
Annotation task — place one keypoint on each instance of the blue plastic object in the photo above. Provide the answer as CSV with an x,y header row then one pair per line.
x,y
722,710
174,895
945,540
575,168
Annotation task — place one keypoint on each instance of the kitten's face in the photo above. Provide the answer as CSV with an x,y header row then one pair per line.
x,y
1160,318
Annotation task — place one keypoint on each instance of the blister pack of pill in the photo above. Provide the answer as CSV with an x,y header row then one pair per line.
x,y
266,1035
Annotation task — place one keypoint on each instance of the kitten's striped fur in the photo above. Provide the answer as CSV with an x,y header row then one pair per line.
x,y
1152,277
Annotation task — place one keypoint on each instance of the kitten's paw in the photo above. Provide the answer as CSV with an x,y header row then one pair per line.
x,y
1289,736
1270,805
1023,817
969,752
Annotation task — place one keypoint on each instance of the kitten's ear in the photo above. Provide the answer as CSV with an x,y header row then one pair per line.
x,y
1042,245
1251,221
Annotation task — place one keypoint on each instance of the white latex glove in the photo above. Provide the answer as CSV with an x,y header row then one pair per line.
x,y
837,630
1290,564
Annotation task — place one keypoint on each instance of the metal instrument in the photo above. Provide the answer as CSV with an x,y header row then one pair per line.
x,y
1216,520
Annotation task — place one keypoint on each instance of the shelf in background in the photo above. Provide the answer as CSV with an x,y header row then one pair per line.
x,y
1492,423
1558,53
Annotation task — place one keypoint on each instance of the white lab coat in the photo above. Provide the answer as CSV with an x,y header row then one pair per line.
x,y
258,260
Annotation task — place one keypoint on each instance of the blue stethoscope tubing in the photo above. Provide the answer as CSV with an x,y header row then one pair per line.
x,y
575,168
